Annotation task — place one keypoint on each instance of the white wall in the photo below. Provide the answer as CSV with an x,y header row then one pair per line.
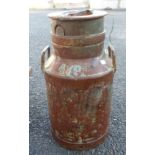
x,y
39,4
100,4
97,4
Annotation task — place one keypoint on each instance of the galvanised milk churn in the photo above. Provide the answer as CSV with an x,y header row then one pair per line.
x,y
79,74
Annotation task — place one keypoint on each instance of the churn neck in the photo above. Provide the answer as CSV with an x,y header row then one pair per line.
x,y
78,34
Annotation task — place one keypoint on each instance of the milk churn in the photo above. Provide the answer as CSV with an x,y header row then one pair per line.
x,y
79,74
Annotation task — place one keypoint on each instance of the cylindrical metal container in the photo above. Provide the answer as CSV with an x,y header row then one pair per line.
x,y
79,75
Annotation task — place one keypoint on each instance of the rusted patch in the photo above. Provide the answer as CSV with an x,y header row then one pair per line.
x,y
78,52
78,40
76,112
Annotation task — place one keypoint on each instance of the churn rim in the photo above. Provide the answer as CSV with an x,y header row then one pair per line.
x,y
71,14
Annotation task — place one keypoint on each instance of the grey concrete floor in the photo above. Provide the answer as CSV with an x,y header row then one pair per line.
x,y
41,141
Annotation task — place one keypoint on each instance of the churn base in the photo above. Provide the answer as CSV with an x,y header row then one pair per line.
x,y
84,146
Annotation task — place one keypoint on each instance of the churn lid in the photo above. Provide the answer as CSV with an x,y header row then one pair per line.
x,y
77,14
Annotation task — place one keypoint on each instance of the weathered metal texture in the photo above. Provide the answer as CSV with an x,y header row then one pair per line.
x,y
77,24
82,28
78,40
78,52
79,76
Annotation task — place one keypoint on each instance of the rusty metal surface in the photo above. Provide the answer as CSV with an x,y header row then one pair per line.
x,y
79,81
78,40
62,151
78,52
76,111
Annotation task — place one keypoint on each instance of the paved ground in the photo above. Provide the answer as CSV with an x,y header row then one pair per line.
x,y
41,142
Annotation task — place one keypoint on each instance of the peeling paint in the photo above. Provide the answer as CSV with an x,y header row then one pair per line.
x,y
81,71
80,140
75,120
71,71
89,139
93,120
94,131
62,69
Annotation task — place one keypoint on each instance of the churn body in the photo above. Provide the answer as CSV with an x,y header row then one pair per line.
x,y
79,75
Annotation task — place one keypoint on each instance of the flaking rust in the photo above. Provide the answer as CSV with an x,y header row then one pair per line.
x,y
79,77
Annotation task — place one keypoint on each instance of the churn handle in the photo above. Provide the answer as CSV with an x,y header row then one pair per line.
x,y
45,51
111,54
111,50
